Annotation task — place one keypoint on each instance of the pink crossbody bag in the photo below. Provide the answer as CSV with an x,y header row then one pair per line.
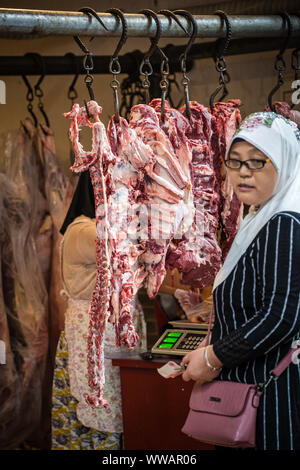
x,y
224,413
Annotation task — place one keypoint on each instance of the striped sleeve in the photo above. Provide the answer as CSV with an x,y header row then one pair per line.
x,y
278,319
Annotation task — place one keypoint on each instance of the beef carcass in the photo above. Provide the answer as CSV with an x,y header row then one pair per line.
x,y
30,286
165,190
228,118
25,170
9,378
25,300
135,195
283,108
197,254
175,126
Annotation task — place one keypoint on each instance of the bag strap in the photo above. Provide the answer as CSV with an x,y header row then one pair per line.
x,y
286,361
282,365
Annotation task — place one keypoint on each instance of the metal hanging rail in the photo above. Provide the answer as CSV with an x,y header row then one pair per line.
x,y
130,62
64,65
22,24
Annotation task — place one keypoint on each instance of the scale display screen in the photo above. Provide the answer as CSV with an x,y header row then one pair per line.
x,y
178,342
169,340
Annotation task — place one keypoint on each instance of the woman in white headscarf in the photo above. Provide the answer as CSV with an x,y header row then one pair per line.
x,y
257,291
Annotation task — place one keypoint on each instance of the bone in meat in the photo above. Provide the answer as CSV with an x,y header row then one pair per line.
x,y
167,178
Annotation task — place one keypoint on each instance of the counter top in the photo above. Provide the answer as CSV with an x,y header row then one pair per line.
x,y
136,360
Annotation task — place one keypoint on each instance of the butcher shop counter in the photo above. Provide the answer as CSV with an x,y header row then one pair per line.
x,y
154,408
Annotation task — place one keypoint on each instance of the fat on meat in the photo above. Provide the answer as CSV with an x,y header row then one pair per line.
x,y
124,199
165,189
197,255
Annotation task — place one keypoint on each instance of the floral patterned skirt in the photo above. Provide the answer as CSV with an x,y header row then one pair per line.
x,y
68,433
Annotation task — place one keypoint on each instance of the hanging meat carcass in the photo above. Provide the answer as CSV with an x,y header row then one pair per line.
x,y
285,110
124,204
197,254
97,161
25,299
26,171
150,179
131,173
167,192
9,379
228,118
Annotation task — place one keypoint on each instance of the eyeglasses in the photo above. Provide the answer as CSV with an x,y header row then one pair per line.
x,y
252,164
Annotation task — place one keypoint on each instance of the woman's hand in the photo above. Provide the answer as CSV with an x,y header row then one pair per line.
x,y
197,369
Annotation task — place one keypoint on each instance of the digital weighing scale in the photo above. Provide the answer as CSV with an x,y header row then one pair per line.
x,y
182,338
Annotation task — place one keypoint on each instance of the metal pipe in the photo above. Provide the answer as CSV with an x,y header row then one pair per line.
x,y
22,24
130,62
64,65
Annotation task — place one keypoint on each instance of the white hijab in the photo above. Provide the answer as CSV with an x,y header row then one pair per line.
x,y
279,139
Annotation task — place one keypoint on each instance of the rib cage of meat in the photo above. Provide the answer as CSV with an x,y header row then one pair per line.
x,y
124,201
201,243
175,126
165,190
196,254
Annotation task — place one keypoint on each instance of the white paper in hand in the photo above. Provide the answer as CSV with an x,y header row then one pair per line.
x,y
170,370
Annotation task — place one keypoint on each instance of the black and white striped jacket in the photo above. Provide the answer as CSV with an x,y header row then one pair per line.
x,y
257,318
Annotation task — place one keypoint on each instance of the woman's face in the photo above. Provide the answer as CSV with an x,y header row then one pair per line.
x,y
252,187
